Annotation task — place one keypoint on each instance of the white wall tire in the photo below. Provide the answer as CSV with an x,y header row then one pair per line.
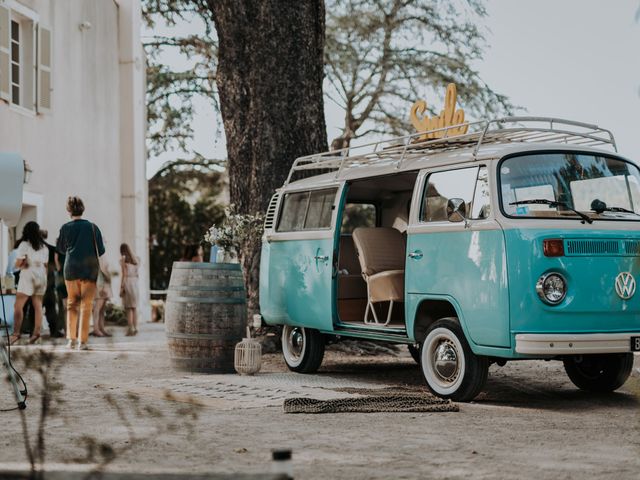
x,y
443,360
302,348
450,368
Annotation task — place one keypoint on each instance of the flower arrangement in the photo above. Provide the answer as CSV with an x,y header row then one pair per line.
x,y
236,230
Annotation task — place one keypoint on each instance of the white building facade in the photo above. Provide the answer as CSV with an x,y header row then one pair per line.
x,y
72,104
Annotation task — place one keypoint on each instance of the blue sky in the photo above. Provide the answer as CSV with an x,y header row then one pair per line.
x,y
574,59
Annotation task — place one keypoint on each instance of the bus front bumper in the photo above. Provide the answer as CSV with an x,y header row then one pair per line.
x,y
575,344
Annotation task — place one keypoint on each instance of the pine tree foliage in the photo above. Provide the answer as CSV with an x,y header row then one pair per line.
x,y
380,56
179,32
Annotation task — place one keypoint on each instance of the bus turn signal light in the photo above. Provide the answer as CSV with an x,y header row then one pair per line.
x,y
553,247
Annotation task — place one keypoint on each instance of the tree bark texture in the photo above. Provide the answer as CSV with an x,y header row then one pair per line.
x,y
269,78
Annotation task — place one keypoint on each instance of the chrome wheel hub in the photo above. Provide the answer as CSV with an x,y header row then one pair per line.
x,y
445,361
295,342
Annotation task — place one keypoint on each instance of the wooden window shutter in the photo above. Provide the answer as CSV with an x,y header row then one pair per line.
x,y
44,69
5,59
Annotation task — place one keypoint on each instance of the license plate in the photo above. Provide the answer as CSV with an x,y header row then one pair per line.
x,y
635,344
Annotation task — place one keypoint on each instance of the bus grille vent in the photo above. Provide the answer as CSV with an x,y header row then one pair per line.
x,y
632,247
270,216
593,247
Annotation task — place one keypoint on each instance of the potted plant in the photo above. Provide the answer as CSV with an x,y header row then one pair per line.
x,y
233,234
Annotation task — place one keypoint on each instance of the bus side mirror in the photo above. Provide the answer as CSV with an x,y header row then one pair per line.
x,y
456,210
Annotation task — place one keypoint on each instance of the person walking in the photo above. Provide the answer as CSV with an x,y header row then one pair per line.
x,y
31,258
129,287
81,243
28,321
50,301
103,295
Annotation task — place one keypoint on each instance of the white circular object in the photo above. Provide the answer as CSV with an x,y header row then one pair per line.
x,y
294,345
443,361
551,288
625,285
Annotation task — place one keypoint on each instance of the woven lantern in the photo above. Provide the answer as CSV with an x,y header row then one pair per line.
x,y
248,356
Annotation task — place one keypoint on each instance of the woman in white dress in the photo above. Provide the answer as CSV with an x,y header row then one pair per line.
x,y
32,258
129,287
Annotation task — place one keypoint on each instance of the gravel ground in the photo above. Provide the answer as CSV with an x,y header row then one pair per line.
x,y
530,422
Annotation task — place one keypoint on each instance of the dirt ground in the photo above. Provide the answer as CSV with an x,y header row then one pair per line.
x,y
530,422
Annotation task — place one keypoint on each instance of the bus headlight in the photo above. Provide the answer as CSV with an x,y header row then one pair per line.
x,y
551,288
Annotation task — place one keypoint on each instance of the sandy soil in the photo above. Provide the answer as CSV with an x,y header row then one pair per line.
x,y
530,422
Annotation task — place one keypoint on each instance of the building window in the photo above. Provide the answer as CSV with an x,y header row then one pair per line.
x,y
23,41
15,62
25,58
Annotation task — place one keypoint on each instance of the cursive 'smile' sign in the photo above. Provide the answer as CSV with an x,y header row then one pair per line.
x,y
449,117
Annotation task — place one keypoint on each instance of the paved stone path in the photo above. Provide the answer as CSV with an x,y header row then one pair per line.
x,y
234,392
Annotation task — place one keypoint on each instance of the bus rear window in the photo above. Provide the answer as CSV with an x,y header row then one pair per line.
x,y
307,210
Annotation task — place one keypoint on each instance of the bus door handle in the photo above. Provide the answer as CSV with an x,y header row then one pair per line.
x,y
416,255
321,258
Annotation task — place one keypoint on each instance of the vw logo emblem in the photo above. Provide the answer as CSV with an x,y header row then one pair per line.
x,y
625,285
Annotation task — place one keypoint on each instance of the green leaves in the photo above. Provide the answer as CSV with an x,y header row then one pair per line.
x,y
184,200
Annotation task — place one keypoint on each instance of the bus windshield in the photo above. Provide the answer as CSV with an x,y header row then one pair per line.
x,y
568,184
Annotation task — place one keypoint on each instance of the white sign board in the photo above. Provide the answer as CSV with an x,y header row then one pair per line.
x,y
11,182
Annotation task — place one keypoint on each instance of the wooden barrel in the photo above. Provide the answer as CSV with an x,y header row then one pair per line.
x,y
205,315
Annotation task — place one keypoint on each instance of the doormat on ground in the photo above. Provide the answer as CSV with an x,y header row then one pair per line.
x,y
390,402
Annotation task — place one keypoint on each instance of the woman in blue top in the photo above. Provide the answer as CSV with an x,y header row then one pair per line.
x,y
81,243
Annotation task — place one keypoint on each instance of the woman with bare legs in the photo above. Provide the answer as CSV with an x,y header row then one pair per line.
x,y
129,287
31,259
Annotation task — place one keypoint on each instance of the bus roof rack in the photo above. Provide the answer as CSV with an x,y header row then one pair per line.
x,y
394,151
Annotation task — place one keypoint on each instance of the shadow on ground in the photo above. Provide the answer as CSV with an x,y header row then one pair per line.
x,y
531,384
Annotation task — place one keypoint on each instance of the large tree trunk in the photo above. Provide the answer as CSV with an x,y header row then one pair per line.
x,y
269,77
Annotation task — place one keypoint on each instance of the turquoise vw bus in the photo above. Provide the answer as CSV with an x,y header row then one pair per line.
x,y
516,238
